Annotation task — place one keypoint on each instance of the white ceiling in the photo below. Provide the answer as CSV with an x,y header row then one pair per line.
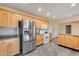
x,y
60,10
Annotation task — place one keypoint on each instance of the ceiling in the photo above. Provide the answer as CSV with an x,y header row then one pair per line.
x,y
58,11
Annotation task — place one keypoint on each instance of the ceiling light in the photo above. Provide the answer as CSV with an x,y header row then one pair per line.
x,y
54,16
48,14
39,9
69,15
73,4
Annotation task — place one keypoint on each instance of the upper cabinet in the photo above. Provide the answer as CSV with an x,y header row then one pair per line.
x,y
11,19
15,18
4,18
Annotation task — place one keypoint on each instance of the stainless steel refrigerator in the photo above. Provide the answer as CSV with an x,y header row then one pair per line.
x,y
27,36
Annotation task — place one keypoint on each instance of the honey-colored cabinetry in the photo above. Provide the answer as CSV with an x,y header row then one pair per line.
x,y
9,47
61,40
15,18
4,18
15,48
39,40
3,49
69,41
76,43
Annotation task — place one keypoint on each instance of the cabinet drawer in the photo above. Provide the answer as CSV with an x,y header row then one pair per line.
x,y
76,43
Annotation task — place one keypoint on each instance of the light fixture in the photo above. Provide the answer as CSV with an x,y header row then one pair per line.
x,y
73,4
69,15
48,14
54,17
39,9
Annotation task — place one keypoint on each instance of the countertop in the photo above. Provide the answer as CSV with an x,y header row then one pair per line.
x,y
8,37
70,35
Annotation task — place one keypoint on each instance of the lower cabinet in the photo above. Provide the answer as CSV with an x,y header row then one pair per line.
x,y
69,41
9,47
61,40
15,47
3,49
76,43
39,40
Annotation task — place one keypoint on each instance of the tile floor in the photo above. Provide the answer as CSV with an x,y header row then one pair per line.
x,y
52,49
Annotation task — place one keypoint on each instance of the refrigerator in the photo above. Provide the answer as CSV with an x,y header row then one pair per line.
x,y
27,36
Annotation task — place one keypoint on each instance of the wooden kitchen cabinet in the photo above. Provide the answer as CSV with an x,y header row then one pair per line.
x,y
50,37
4,18
10,47
69,41
15,47
76,43
15,18
3,49
61,39
39,40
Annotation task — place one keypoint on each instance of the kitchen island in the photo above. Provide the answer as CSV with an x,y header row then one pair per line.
x,y
69,40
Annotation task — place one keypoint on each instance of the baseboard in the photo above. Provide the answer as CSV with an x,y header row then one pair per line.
x,y
68,47
39,45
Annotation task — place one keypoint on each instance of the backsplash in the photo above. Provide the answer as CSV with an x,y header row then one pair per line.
x,y
9,32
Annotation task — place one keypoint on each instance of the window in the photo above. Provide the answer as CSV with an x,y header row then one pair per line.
x,y
68,29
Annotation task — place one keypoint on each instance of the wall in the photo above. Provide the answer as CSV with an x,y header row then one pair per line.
x,y
74,28
59,27
55,27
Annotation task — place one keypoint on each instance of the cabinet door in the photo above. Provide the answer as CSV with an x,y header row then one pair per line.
x,y
61,39
3,49
10,47
76,43
15,46
4,18
15,18
69,41
39,40
50,37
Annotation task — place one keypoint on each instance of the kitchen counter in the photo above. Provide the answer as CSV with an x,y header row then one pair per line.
x,y
70,35
7,37
69,40
9,47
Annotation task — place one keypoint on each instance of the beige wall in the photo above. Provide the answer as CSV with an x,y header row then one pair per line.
x,y
74,28
73,21
55,28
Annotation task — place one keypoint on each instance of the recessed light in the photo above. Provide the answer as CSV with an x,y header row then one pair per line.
x,y
73,4
54,16
69,15
48,14
39,9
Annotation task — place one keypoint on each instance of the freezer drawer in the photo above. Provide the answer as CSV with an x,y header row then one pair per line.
x,y
32,45
25,48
